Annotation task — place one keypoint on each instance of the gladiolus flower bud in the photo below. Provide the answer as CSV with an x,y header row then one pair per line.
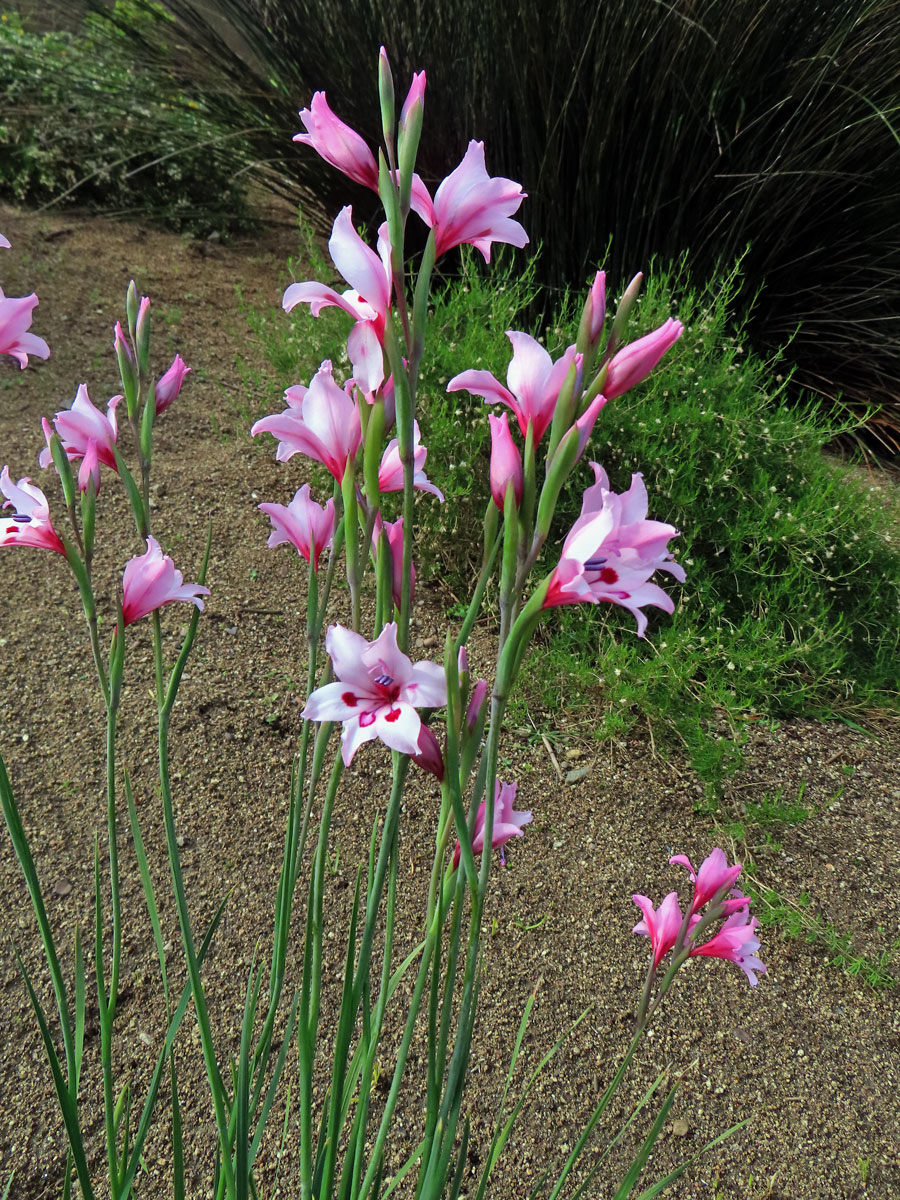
x,y
635,361
593,316
429,756
620,320
169,386
386,96
411,117
477,706
126,368
142,334
506,462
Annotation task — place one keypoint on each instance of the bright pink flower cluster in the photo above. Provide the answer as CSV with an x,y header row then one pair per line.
x,y
612,550
668,928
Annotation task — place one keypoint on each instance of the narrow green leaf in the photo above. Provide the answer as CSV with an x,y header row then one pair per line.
x,y
656,1188
67,1103
643,1154
149,894
178,1192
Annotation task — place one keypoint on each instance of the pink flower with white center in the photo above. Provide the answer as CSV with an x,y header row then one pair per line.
x,y
714,876
737,942
506,462
151,580
507,822
15,318
30,523
611,552
390,473
377,691
168,387
302,523
534,380
321,421
337,143
86,434
393,531
635,362
469,206
661,925
367,301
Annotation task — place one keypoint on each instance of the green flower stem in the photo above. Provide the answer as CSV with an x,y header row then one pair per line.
x,y
209,1051
351,536
414,1005
597,1114
312,981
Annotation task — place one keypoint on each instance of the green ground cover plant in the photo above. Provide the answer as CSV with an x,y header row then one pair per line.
x,y
794,598
83,121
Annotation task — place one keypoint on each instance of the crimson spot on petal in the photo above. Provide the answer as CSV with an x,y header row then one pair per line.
x,y
366,719
393,715
608,575
349,699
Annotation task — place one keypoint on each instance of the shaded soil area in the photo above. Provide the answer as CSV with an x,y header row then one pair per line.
x,y
811,1056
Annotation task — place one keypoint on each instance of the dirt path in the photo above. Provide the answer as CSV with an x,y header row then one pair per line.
x,y
812,1055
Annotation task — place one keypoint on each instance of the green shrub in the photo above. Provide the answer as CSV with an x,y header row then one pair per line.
x,y
792,603
697,124
83,122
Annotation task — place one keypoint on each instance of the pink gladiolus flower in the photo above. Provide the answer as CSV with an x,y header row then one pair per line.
x,y
714,876
168,387
4,244
367,300
151,580
303,523
337,143
86,434
390,473
469,206
611,552
377,692
30,523
15,318
635,361
506,462
507,822
737,942
320,421
534,382
393,531
661,925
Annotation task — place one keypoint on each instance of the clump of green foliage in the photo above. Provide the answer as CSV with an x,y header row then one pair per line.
x,y
82,121
792,601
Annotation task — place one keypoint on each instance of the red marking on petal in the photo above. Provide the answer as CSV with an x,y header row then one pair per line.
x,y
366,719
608,575
393,715
349,699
